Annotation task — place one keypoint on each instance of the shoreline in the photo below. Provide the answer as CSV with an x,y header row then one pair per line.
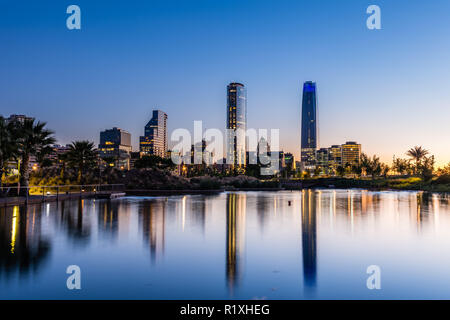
x,y
20,201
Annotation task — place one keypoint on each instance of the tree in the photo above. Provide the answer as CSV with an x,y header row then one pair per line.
x,y
33,140
62,160
253,170
365,163
42,157
384,170
417,154
152,161
374,167
445,171
348,168
83,156
340,170
401,166
425,168
317,171
356,169
8,146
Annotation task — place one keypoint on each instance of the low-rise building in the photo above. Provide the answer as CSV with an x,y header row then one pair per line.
x,y
115,146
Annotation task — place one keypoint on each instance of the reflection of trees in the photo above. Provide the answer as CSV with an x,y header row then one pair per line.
x,y
152,220
309,238
73,222
22,246
236,206
424,207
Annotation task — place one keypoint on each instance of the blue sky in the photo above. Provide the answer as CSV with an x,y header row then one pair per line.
x,y
387,89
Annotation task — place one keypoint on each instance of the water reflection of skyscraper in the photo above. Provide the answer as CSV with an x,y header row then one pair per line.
x,y
198,212
262,208
236,211
23,248
152,219
309,238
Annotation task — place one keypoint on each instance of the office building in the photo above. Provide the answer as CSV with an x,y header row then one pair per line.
x,y
154,141
115,144
236,123
289,161
351,153
309,126
335,154
323,158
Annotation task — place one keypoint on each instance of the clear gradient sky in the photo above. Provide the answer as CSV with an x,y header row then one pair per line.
x,y
387,89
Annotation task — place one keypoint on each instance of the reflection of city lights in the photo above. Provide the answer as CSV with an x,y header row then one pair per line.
x,y
183,211
14,228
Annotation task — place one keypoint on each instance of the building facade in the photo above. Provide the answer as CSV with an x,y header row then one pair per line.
x,y
115,144
323,158
154,140
351,153
236,123
335,155
289,161
309,127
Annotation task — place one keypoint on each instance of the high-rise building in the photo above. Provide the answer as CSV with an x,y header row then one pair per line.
x,y
115,143
309,139
236,123
154,141
351,153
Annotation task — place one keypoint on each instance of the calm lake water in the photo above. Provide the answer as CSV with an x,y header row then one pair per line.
x,y
244,245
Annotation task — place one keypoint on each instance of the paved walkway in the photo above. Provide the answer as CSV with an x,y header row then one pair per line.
x,y
17,201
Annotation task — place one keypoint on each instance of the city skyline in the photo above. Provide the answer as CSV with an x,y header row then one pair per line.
x,y
386,89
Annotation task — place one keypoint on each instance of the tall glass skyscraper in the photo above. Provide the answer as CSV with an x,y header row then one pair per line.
x,y
154,141
236,123
309,125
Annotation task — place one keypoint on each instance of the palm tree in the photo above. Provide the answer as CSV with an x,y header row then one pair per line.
x,y
82,155
62,160
365,163
417,154
33,140
8,146
400,165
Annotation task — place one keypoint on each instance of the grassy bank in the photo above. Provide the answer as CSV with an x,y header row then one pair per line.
x,y
410,183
